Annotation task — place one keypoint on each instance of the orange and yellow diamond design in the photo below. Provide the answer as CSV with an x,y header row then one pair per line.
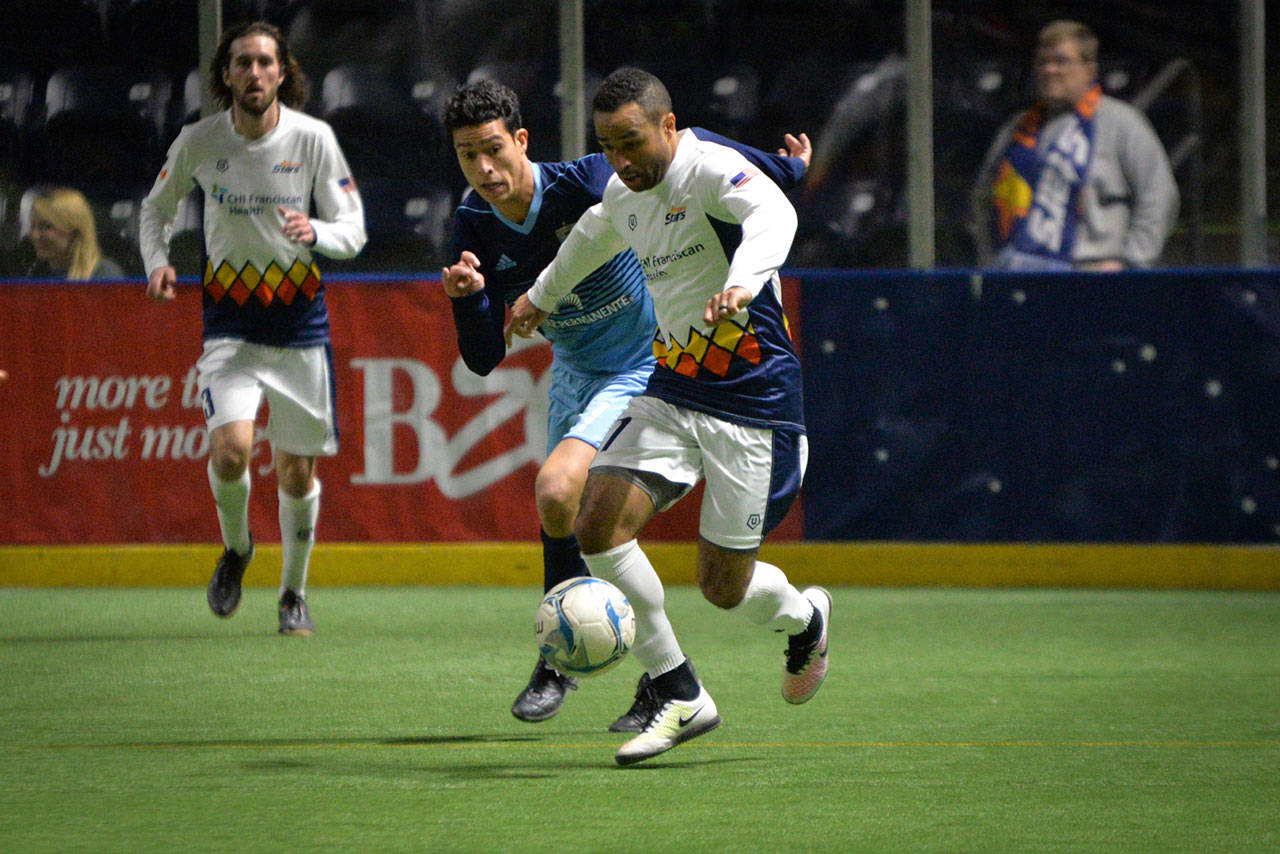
x,y
267,286
714,355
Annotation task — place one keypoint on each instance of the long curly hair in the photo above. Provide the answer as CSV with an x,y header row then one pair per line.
x,y
293,88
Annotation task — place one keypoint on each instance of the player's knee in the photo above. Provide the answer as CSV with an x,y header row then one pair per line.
x,y
590,540
723,575
557,498
722,592
295,475
229,462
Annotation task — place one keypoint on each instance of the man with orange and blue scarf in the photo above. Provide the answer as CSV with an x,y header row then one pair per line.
x,y
1079,180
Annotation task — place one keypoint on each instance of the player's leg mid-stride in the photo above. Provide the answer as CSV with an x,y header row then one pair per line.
x,y
223,592
544,694
675,722
807,651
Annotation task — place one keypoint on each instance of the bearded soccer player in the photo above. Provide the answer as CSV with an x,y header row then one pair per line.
x,y
261,165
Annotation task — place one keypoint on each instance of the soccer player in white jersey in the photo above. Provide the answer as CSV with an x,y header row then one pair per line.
x,y
507,229
724,402
261,165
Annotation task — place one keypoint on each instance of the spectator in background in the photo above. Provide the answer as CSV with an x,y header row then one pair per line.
x,y
1077,181
65,239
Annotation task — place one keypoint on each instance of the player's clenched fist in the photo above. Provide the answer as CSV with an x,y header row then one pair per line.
x,y
464,277
160,284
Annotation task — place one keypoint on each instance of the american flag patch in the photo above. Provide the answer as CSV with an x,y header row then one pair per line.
x,y
743,177
347,184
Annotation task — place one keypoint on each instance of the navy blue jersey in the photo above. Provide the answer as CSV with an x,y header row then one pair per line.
x,y
607,324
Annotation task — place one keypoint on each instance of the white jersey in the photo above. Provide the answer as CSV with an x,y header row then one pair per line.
x,y
258,285
714,222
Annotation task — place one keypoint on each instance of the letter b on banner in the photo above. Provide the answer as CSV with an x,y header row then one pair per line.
x,y
380,421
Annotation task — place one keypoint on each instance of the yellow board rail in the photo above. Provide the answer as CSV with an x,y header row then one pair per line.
x,y
888,564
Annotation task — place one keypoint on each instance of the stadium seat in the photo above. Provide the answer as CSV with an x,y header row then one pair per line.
x,y
159,33
408,227
186,106
186,242
326,34
103,124
734,102
1123,76
383,132
41,35
16,95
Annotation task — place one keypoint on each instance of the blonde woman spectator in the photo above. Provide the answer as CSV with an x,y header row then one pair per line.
x,y
65,239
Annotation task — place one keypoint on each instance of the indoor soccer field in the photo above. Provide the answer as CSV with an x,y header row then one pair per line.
x,y
953,720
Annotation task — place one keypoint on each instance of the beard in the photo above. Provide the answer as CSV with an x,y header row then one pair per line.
x,y
251,108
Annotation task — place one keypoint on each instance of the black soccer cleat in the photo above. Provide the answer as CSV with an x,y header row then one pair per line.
x,y
223,592
294,619
544,695
642,710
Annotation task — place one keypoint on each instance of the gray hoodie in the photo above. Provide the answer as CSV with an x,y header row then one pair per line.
x,y
1129,202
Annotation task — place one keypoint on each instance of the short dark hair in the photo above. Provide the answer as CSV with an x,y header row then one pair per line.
x,y
633,86
293,89
482,101
1064,30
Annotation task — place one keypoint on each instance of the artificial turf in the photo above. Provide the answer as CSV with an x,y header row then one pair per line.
x,y
953,720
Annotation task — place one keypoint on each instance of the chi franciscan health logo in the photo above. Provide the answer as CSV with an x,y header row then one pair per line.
x,y
218,193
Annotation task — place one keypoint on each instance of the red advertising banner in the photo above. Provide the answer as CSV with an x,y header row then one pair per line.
x,y
103,440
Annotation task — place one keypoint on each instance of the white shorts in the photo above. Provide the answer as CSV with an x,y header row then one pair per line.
x,y
753,473
234,376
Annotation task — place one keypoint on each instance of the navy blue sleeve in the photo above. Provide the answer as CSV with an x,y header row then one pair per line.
x,y
477,319
785,171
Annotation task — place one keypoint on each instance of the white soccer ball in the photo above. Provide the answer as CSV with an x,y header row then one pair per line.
x,y
584,626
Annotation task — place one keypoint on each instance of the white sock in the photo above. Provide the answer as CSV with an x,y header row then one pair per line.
x,y
297,536
772,601
232,500
627,567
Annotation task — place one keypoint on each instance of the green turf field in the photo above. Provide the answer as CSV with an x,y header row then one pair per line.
x,y
953,720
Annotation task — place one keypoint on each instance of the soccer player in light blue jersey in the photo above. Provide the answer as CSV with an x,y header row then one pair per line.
x,y
506,230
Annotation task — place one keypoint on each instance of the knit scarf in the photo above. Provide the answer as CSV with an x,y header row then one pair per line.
x,y
1042,222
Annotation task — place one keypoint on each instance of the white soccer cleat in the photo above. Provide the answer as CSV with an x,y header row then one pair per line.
x,y
676,721
807,662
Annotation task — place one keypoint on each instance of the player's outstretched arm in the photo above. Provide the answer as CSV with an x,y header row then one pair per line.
x,y
463,278
160,284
